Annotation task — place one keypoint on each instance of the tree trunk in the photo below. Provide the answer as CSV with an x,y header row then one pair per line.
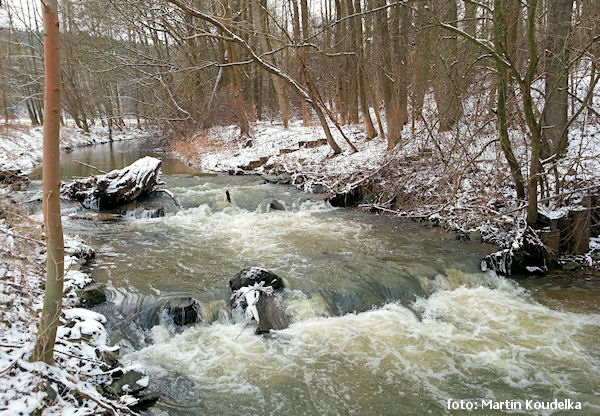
x,y
258,17
258,92
532,123
305,35
500,45
235,85
446,93
421,63
387,84
352,72
340,38
362,89
471,18
554,115
297,38
313,94
44,347
401,22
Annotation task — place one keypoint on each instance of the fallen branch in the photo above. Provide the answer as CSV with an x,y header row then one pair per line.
x,y
90,166
11,365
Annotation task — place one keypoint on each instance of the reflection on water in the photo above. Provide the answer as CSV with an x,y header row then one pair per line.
x,y
389,317
115,155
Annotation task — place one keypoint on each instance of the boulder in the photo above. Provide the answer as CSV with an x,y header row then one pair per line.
x,y
525,255
284,178
146,401
570,266
275,205
111,358
80,250
347,198
251,275
117,187
127,383
184,311
269,178
93,294
271,313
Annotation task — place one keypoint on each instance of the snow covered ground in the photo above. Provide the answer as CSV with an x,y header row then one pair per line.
x,y
70,387
269,139
21,145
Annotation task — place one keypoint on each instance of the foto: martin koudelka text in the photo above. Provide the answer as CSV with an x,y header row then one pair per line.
x,y
528,404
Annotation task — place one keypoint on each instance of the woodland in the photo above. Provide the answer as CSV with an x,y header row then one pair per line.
x,y
481,118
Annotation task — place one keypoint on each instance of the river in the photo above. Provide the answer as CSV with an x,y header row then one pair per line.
x,y
390,317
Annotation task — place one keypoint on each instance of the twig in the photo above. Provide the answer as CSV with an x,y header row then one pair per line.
x,y
235,339
90,166
7,369
26,238
524,206
77,357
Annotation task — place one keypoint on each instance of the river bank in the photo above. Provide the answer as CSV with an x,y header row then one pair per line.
x,y
88,376
466,189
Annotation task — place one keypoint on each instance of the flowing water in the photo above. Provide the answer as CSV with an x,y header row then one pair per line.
x,y
389,317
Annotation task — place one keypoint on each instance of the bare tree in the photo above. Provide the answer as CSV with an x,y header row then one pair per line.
x,y
556,62
500,43
44,346
309,93
258,16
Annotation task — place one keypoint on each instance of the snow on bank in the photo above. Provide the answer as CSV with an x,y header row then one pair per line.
x,y
458,179
21,146
70,387
291,147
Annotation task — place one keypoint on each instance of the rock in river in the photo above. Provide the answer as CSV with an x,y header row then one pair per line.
x,y
116,187
257,293
93,294
184,311
251,275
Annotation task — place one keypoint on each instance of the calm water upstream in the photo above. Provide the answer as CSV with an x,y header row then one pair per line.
x,y
390,318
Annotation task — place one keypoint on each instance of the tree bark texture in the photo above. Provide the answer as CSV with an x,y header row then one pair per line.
x,y
46,337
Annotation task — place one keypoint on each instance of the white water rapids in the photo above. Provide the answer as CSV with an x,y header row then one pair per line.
x,y
389,318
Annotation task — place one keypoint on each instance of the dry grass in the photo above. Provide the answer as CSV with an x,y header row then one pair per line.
x,y
192,147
